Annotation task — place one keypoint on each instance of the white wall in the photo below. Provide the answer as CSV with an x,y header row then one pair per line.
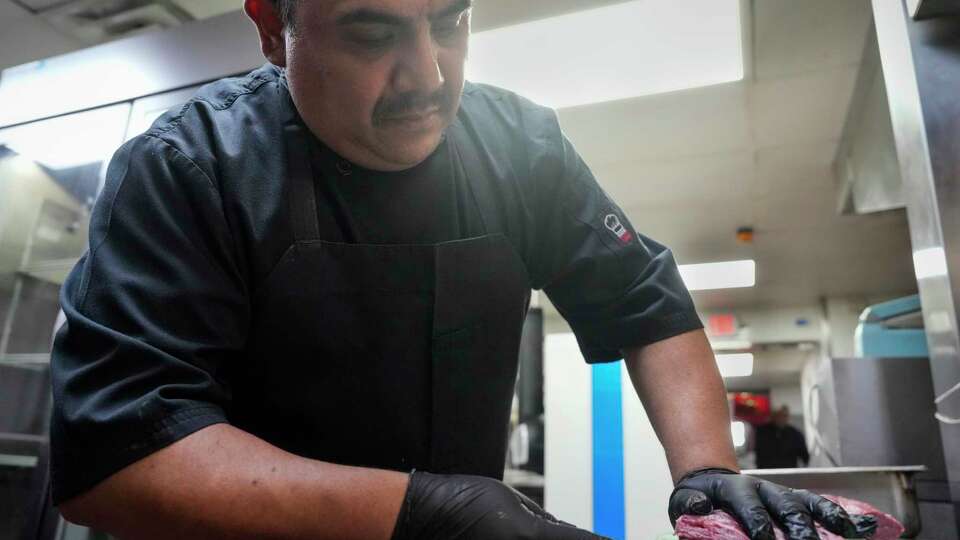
x,y
647,481
568,451
843,315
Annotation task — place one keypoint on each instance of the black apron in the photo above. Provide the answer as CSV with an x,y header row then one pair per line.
x,y
388,356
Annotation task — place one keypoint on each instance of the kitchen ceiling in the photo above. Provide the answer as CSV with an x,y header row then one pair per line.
x,y
26,36
690,167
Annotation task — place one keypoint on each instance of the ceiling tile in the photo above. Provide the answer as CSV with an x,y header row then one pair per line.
x,y
8,10
678,183
32,37
796,37
202,9
779,210
489,14
816,180
774,159
803,108
691,122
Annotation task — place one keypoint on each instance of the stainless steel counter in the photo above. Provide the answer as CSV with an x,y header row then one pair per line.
x,y
890,489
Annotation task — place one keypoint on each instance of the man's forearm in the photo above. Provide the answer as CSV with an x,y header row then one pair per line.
x,y
221,482
682,391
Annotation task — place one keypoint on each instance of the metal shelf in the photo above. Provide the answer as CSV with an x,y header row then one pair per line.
x,y
523,479
52,271
18,461
25,360
20,449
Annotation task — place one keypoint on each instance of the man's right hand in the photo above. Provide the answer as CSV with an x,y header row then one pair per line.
x,y
457,507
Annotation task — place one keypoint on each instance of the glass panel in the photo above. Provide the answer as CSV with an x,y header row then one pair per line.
x,y
50,174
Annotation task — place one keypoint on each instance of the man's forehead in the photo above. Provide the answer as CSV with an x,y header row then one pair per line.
x,y
399,8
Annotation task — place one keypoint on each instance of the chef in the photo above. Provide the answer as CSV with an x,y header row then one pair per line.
x,y
300,311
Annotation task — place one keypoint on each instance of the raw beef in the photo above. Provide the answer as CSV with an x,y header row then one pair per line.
x,y
720,526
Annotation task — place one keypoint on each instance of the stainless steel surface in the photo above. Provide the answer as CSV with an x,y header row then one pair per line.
x,y
922,74
912,469
890,489
866,170
872,412
129,69
925,9
21,444
820,408
519,478
884,406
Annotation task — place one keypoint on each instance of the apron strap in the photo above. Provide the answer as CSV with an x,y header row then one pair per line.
x,y
303,199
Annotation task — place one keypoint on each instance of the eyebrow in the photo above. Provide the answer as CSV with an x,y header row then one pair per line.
x,y
373,16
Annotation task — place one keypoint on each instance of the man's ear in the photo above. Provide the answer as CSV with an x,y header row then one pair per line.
x,y
270,27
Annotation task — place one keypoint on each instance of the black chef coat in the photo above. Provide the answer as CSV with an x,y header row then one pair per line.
x,y
194,216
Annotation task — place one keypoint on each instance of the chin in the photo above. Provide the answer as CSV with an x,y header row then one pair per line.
x,y
409,151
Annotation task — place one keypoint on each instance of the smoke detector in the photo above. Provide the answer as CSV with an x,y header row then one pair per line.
x,y
97,21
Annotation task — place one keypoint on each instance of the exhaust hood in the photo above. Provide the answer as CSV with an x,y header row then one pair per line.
x,y
97,21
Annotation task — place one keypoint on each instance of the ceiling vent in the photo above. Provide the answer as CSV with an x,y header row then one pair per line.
x,y
97,21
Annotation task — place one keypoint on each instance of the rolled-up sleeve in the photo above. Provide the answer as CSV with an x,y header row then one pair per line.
x,y
154,312
616,288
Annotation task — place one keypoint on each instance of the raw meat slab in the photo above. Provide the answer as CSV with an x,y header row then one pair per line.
x,y
721,526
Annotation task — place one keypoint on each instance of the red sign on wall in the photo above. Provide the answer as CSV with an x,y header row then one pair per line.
x,y
721,325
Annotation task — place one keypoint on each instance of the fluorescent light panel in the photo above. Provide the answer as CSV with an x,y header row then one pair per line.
x,y
70,140
627,50
721,275
730,345
735,365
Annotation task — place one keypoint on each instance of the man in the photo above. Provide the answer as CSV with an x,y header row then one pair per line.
x,y
778,444
311,281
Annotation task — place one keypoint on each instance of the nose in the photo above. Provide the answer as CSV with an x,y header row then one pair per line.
x,y
419,67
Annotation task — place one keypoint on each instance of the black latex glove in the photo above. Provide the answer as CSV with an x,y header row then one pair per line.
x,y
455,507
752,502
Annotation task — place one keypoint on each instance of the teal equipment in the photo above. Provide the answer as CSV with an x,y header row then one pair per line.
x,y
892,329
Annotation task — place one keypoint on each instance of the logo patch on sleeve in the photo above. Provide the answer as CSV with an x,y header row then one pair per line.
x,y
613,224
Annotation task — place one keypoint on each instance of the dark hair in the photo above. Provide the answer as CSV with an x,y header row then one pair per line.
x,y
286,9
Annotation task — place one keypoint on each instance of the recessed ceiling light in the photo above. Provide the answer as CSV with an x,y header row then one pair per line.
x,y
626,50
735,365
721,275
730,344
71,140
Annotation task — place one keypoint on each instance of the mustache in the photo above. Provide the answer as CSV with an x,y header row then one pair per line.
x,y
409,103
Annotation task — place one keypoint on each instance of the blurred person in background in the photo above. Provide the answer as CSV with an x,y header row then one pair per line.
x,y
779,445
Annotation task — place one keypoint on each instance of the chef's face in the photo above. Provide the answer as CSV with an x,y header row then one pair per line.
x,y
376,80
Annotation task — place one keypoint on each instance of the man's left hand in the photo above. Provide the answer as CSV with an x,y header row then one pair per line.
x,y
752,502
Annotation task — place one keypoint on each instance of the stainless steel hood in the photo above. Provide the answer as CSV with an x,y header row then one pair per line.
x,y
98,21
